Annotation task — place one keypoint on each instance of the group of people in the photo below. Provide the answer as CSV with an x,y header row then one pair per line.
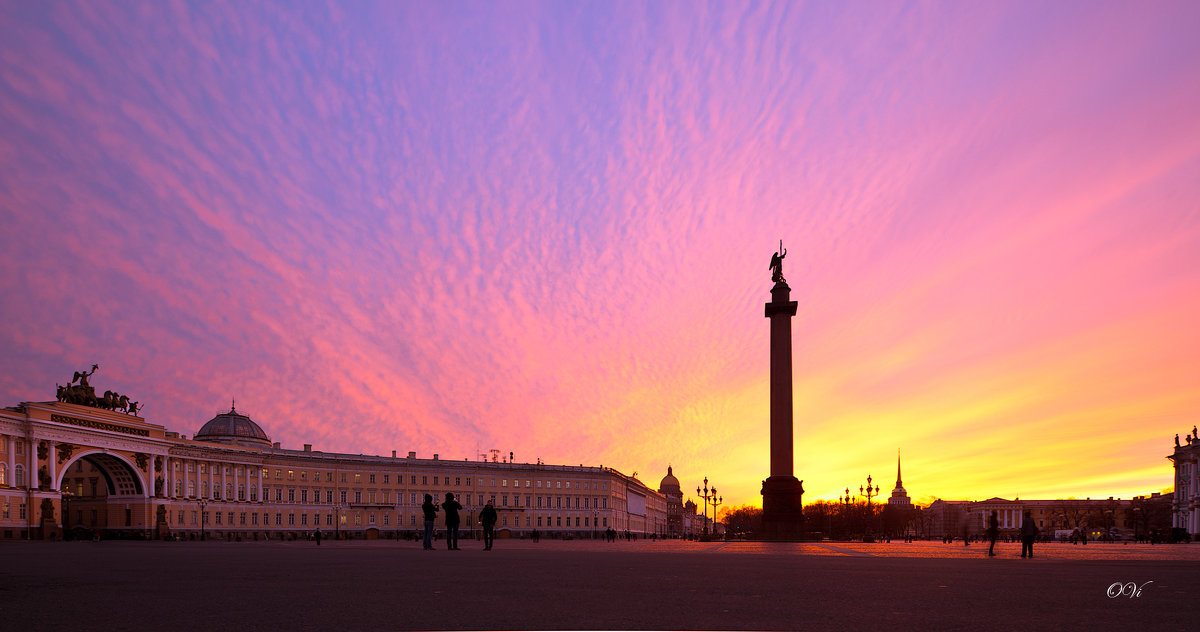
x,y
1029,533
450,507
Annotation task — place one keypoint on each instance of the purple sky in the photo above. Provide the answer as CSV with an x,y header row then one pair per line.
x,y
545,228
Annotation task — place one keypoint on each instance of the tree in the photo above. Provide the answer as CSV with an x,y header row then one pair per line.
x,y
742,520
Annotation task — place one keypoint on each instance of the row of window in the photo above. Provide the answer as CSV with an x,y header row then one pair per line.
x,y
6,510
252,519
18,475
371,479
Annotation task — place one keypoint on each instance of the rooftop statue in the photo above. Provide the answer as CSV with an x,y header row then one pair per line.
x,y
777,264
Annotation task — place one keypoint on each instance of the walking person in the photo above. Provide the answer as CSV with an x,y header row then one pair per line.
x,y
430,510
450,507
1029,533
487,517
993,532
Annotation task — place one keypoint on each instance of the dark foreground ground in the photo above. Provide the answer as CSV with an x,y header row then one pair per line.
x,y
592,586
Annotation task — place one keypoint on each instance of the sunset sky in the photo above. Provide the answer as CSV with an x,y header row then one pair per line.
x,y
545,228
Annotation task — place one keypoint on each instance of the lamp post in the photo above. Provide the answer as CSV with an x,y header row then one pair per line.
x,y
869,493
709,496
337,521
845,502
203,517
595,523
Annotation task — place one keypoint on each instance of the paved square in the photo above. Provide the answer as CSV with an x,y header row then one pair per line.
x,y
665,585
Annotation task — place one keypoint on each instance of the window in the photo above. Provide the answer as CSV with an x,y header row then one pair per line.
x,y
343,477
358,478
424,480
291,495
4,471
254,494
457,481
291,475
217,515
468,481
304,495
371,518
539,484
254,519
304,519
504,483
539,504
291,519
358,498
343,497
358,520
386,519
329,496
539,521
304,476
558,484
504,500
371,478
278,474
228,491
371,498
19,477
387,478
279,519
414,480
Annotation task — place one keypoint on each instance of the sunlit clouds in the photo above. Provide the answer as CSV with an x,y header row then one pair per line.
x,y
545,228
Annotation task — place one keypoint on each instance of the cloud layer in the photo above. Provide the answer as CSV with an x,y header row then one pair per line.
x,y
545,228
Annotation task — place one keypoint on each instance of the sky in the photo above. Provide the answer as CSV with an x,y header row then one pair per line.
x,y
545,228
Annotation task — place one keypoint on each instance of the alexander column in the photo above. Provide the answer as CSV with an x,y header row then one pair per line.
x,y
783,515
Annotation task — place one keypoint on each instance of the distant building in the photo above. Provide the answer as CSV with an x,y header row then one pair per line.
x,y
70,467
1186,503
899,498
669,488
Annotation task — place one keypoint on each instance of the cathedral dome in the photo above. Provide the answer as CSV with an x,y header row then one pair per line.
x,y
669,482
233,427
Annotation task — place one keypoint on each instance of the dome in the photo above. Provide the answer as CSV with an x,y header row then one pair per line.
x,y
233,427
669,482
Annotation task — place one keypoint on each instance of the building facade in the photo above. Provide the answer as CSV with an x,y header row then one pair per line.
x,y
673,494
76,469
1185,507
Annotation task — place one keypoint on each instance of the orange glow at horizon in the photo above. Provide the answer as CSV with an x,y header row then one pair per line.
x,y
410,228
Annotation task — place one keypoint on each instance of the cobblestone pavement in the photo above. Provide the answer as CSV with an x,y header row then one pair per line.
x,y
587,585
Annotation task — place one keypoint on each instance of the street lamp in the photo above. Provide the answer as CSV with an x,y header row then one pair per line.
x,y
710,497
203,517
869,493
845,502
337,521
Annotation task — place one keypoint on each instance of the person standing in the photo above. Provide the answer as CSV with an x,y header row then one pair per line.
x,y
318,536
430,510
993,532
1029,533
450,507
487,517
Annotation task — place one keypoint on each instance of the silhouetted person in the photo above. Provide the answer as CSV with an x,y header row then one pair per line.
x,y
450,507
487,517
993,532
1029,533
430,510
318,536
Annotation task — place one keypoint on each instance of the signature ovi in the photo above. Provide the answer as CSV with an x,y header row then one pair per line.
x,y
1127,589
